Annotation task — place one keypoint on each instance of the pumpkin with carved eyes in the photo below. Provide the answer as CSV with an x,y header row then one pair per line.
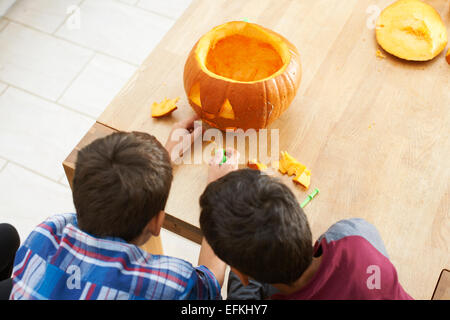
x,y
241,75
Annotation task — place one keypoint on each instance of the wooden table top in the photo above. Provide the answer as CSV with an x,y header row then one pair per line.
x,y
374,132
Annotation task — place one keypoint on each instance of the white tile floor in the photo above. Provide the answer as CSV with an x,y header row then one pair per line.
x,y
55,80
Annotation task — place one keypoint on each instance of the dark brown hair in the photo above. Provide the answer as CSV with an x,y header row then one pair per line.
x,y
121,182
255,224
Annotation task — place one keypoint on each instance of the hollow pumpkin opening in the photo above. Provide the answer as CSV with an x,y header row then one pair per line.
x,y
242,52
243,58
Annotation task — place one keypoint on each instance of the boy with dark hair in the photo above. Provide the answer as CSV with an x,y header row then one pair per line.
x,y
254,223
120,189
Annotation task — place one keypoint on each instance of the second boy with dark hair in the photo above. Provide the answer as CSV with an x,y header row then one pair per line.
x,y
254,223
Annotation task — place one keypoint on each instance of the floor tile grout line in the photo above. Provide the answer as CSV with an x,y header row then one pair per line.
x,y
136,5
76,111
67,17
62,177
32,170
51,101
74,43
96,51
6,24
76,76
159,14
4,90
4,166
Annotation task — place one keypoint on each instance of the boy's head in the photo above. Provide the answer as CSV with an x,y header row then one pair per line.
x,y
121,182
254,223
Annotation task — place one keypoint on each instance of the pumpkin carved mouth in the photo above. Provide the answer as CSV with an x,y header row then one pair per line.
x,y
241,75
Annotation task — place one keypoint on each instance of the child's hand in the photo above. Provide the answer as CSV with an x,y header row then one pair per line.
x,y
181,137
217,170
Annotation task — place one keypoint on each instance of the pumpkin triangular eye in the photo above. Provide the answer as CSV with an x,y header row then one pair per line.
x,y
194,95
227,110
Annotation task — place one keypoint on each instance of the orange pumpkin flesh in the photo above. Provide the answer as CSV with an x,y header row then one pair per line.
x,y
241,75
253,164
164,108
291,166
243,59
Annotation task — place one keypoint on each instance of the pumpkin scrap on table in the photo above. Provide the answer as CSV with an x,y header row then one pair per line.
x,y
447,56
380,54
291,166
304,179
253,164
164,108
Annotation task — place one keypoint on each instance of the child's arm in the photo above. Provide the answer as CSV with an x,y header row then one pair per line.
x,y
182,136
216,170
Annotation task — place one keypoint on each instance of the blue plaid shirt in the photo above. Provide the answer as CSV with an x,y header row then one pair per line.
x,y
59,261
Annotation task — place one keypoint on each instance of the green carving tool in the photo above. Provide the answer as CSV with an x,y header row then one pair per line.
x,y
224,155
310,197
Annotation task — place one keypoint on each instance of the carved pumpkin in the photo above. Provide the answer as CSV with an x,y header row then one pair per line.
x,y
241,75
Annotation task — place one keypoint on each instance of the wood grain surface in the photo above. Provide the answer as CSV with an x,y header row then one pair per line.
x,y
374,132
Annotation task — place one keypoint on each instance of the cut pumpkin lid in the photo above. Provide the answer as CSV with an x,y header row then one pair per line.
x,y
411,30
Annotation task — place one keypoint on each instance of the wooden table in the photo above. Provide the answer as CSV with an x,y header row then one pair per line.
x,y
374,132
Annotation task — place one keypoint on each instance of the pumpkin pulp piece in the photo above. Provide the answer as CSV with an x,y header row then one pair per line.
x,y
292,166
164,108
411,30
447,56
304,179
281,167
296,169
253,164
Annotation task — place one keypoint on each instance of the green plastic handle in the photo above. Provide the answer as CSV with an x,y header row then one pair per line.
x,y
310,197
224,156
